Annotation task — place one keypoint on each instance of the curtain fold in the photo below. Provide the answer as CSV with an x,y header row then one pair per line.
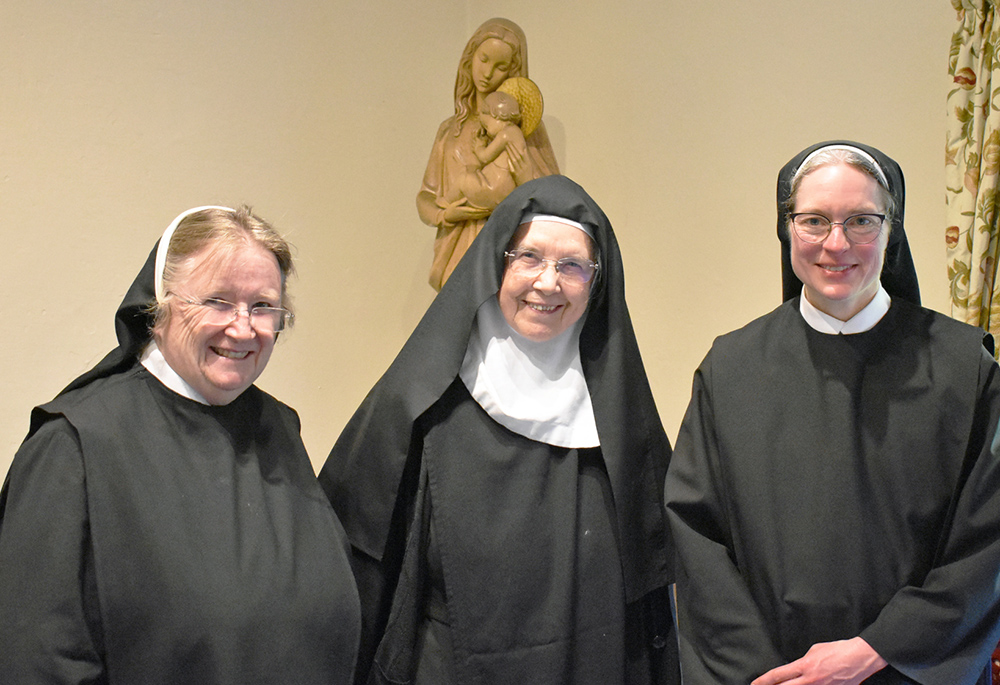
x,y
972,162
972,159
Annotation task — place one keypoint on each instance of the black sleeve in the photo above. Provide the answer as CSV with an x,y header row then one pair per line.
x,y
944,630
49,622
722,633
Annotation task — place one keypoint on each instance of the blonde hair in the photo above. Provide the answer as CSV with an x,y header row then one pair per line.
x,y
840,155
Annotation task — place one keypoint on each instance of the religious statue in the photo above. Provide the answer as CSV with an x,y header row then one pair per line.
x,y
494,142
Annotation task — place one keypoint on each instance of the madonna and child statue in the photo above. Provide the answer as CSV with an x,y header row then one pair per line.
x,y
494,142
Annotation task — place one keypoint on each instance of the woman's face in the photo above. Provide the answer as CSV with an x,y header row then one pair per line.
x,y
221,361
840,278
542,306
491,64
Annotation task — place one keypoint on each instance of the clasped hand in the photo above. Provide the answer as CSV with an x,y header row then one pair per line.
x,y
845,662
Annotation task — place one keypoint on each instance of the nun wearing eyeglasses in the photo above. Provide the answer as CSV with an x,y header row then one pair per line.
x,y
835,490
162,523
501,484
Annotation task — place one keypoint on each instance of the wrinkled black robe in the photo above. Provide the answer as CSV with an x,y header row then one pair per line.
x,y
830,486
381,480
147,538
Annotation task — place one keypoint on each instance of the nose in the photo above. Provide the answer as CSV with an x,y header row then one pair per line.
x,y
548,279
240,326
837,240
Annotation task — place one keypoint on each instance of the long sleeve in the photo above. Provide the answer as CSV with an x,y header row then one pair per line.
x,y
723,638
49,626
942,631
829,487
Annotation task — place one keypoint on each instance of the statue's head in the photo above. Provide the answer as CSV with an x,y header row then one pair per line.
x,y
496,41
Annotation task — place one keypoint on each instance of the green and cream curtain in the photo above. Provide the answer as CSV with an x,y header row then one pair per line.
x,y
972,159
972,164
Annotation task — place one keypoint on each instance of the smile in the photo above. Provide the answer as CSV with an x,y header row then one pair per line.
x,y
231,354
836,268
543,307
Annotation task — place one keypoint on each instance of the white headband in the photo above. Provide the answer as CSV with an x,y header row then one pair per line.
x,y
531,216
847,148
162,248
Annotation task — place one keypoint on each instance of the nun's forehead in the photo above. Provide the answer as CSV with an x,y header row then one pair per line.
x,y
804,167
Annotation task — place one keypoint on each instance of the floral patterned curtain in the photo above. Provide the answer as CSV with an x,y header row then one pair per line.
x,y
972,163
972,160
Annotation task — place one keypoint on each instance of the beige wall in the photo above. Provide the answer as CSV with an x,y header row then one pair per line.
x,y
115,116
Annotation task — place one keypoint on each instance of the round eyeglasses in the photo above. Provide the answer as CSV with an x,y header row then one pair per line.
x,y
529,263
860,229
263,319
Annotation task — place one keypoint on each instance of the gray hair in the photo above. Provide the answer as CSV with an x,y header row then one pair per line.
x,y
220,228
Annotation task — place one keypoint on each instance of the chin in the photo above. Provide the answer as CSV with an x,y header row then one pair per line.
x,y
544,336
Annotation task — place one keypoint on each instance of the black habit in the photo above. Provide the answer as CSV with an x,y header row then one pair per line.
x,y
544,564
826,487
148,538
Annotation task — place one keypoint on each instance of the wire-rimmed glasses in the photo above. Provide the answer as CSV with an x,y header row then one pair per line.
x,y
263,319
860,229
529,263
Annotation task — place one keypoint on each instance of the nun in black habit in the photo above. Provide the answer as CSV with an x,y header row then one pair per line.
x,y
502,490
162,523
835,490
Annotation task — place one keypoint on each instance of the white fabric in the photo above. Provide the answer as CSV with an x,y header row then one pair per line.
x,y
535,389
161,250
849,148
157,365
864,320
532,216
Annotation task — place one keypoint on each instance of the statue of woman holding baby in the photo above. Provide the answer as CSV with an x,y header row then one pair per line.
x,y
459,191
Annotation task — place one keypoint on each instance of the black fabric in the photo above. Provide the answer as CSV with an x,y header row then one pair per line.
x,y
830,486
371,475
509,512
899,276
147,538
133,322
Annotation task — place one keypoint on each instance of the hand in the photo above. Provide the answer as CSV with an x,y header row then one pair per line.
x,y
845,662
519,165
459,211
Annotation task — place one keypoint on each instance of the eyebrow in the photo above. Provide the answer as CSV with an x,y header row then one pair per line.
x,y
849,213
528,246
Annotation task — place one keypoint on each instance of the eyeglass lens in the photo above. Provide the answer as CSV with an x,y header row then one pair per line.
x,y
263,319
531,263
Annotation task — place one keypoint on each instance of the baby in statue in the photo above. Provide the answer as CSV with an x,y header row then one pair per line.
x,y
501,119
501,140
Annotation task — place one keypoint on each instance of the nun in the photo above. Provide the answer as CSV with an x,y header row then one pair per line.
x,y
835,490
501,485
162,523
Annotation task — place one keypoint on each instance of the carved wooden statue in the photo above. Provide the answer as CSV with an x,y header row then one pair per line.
x,y
494,142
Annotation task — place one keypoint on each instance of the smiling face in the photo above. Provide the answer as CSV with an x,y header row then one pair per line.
x,y
541,307
220,361
491,64
840,278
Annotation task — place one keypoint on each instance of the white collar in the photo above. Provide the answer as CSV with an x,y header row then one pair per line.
x,y
863,321
157,365
535,389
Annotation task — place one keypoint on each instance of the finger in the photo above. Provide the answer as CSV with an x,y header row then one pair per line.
x,y
782,674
